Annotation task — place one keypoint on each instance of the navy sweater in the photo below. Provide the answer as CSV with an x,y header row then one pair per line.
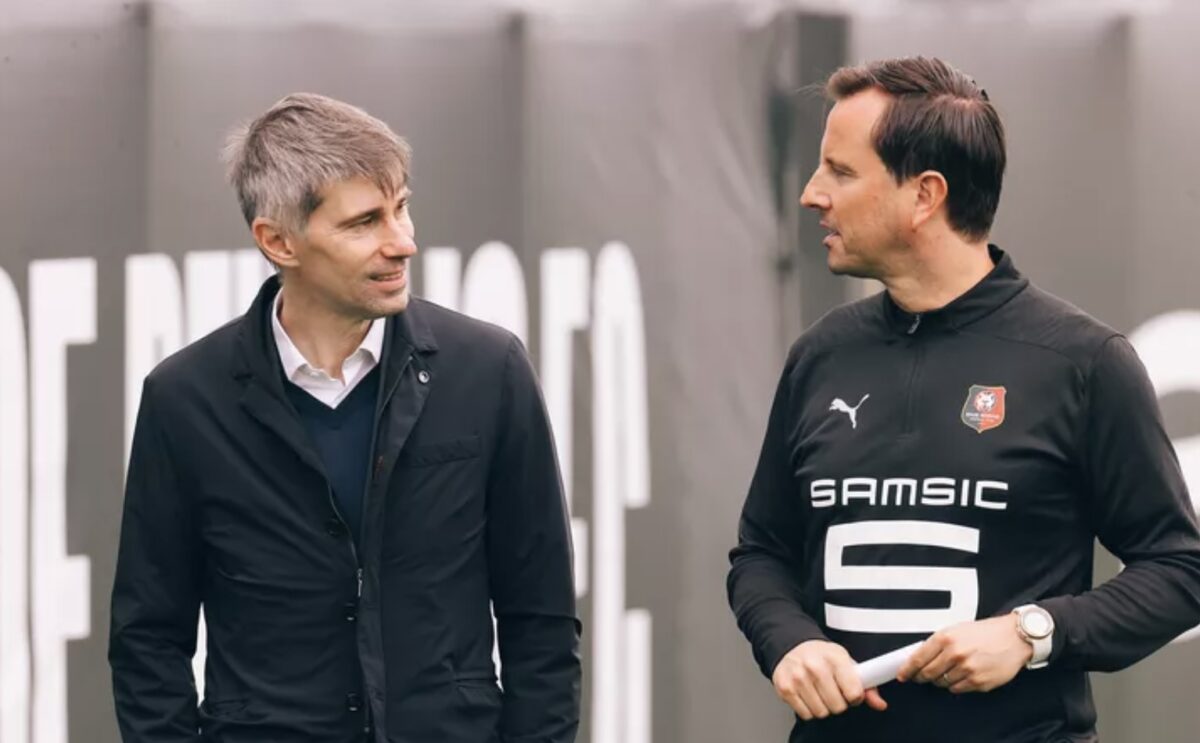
x,y
343,439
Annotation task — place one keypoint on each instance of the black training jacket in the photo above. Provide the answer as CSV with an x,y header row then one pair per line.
x,y
312,637
923,470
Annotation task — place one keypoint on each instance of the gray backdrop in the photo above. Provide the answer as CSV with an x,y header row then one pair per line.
x,y
645,158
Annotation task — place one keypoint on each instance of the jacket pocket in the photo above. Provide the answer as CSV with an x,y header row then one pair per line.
x,y
224,709
423,455
480,697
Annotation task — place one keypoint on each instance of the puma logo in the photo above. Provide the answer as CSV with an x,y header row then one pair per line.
x,y
840,406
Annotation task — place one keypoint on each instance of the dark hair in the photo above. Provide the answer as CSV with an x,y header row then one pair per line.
x,y
938,119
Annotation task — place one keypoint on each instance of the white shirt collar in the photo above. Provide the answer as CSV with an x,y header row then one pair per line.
x,y
294,362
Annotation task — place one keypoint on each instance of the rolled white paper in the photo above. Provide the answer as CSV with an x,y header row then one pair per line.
x,y
882,669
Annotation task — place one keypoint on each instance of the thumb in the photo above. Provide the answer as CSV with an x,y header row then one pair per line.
x,y
874,700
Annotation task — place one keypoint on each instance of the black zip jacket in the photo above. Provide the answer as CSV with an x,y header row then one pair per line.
x,y
920,471
311,638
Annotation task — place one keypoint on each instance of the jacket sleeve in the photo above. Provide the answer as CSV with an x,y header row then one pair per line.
x,y
1142,514
763,586
530,569
156,595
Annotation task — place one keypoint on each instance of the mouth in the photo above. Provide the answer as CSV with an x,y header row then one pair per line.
x,y
832,232
391,280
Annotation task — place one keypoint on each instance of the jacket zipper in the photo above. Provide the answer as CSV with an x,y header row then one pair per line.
x,y
374,473
914,375
358,578
338,512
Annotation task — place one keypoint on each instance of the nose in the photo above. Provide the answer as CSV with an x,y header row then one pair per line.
x,y
399,240
813,196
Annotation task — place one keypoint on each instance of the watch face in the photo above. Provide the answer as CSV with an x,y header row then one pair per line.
x,y
1036,623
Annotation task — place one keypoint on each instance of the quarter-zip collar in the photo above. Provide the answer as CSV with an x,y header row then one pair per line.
x,y
1001,284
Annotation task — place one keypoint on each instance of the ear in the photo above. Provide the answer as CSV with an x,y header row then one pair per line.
x,y
930,196
277,244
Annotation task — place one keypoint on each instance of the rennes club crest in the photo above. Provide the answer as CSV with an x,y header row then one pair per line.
x,y
984,408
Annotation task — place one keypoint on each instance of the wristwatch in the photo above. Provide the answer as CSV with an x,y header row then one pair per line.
x,y
1036,627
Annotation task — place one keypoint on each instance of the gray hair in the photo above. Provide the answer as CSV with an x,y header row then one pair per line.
x,y
280,162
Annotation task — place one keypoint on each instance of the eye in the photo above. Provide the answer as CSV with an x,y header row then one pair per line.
x,y
838,170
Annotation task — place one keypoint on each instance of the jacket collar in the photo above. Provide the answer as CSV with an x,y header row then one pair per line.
x,y
1001,284
257,355
257,366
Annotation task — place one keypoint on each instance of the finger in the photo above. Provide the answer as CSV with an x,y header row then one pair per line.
x,y
983,683
796,703
954,676
808,693
874,700
848,682
944,681
831,692
963,686
928,650
935,668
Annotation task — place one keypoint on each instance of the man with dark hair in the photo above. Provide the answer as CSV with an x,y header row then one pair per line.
x,y
939,457
349,481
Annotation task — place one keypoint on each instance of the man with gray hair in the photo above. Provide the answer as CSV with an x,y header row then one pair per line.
x,y
349,481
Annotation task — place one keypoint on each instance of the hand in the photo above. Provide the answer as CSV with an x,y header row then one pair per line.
x,y
817,679
973,656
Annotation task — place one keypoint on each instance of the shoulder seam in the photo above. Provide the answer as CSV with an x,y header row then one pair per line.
x,y
1079,367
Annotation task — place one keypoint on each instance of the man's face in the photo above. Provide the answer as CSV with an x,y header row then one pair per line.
x,y
859,200
353,256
